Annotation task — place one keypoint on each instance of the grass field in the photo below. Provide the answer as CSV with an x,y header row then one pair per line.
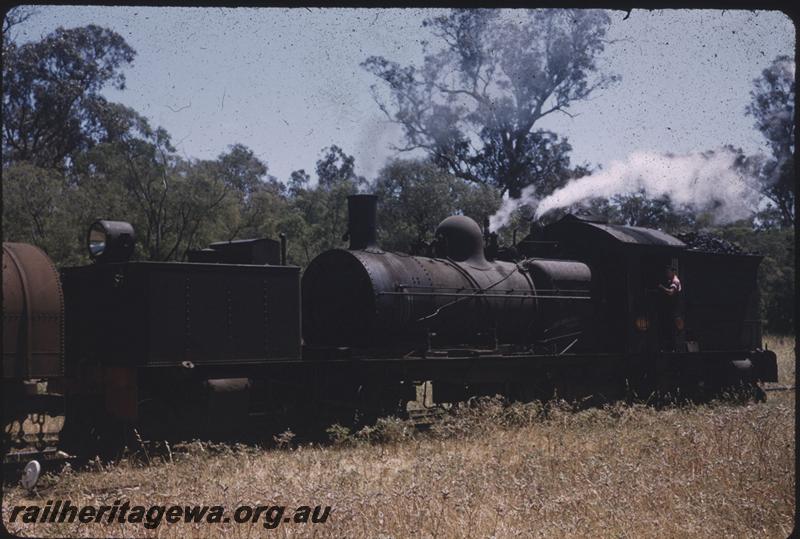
x,y
525,470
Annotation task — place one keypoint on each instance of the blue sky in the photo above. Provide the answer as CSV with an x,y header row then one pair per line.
x,y
287,82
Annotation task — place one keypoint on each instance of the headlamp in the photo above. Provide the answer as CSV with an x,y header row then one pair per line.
x,y
110,241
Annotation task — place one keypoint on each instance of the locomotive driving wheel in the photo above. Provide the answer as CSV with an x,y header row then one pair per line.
x,y
87,432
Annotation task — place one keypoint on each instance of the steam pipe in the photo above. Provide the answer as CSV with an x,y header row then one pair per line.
x,y
282,236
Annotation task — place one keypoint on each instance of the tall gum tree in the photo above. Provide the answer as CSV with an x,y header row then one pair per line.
x,y
475,102
772,106
52,107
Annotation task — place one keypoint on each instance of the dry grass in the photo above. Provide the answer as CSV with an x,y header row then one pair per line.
x,y
622,471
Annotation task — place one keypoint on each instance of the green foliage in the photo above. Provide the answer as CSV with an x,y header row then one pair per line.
x,y
254,198
169,201
638,209
319,213
52,107
40,207
338,434
71,157
415,196
772,107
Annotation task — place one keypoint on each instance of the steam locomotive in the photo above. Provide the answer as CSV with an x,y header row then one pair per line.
x,y
234,338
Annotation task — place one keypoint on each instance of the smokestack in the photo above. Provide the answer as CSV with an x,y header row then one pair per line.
x,y
361,223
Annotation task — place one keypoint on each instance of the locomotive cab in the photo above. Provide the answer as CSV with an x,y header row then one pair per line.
x,y
711,325
629,263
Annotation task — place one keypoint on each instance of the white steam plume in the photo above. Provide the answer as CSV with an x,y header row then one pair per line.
x,y
709,180
510,205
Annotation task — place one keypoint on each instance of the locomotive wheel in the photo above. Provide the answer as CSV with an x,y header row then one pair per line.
x,y
385,401
86,433
747,391
158,421
364,405
540,388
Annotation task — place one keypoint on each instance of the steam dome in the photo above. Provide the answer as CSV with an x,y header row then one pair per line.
x,y
461,239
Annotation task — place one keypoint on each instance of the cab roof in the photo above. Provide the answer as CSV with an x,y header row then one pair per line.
x,y
590,228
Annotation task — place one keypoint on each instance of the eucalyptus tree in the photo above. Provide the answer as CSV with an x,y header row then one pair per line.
x,y
487,80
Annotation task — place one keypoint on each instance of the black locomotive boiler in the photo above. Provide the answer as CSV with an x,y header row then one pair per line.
x,y
394,303
232,338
